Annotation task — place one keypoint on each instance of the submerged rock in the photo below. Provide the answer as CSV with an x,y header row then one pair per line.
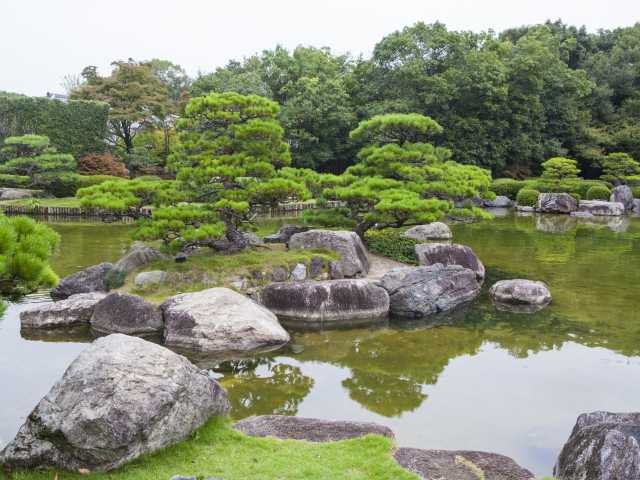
x,y
128,314
219,320
416,292
138,256
520,295
599,207
353,254
556,203
329,302
119,399
623,195
460,465
309,429
285,232
91,279
454,254
603,446
74,311
430,231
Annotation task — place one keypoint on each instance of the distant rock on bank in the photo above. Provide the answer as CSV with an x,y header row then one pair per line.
x,y
429,231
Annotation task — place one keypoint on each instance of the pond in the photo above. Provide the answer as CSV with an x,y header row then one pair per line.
x,y
474,379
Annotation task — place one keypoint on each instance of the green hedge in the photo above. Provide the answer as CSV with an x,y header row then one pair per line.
x,y
598,192
389,243
14,181
63,185
510,188
76,127
527,197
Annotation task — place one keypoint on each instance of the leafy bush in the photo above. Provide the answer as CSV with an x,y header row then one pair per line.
x,y
389,243
618,166
527,197
14,181
560,168
91,180
102,164
507,187
598,192
59,185
576,197
636,192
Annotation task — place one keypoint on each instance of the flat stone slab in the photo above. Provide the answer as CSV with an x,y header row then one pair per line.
x,y
73,311
309,429
460,465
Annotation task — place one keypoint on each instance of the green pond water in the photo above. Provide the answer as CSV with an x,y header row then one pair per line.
x,y
476,378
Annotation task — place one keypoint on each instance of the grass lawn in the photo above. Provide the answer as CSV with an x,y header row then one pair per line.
x,y
44,202
217,450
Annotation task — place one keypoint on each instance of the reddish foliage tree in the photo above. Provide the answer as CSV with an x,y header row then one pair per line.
x,y
102,164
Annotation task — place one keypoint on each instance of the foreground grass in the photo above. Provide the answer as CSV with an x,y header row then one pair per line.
x,y
44,202
219,451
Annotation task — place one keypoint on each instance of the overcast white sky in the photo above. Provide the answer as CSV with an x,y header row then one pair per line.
x,y
42,40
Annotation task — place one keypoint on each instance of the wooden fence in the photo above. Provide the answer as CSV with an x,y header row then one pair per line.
x,y
283,210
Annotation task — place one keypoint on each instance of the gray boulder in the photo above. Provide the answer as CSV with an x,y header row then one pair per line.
x,y
499,202
149,279
219,320
430,231
121,398
91,279
18,193
353,254
520,295
460,465
316,267
636,205
279,274
285,232
332,302
138,256
599,207
253,239
74,311
309,429
603,446
299,272
416,292
453,254
556,203
623,195
128,314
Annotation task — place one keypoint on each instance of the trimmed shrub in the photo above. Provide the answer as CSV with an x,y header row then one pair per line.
x,y
507,187
102,164
389,243
598,192
576,196
527,197
91,180
14,181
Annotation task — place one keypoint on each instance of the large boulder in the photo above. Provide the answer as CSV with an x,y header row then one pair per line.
x,y
550,202
121,398
91,279
415,292
499,202
331,302
353,254
453,254
74,311
430,231
138,256
623,195
18,193
602,446
520,295
599,207
219,320
128,314
150,279
460,465
285,232
309,429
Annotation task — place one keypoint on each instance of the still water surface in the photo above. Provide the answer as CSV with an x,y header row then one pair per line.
x,y
474,379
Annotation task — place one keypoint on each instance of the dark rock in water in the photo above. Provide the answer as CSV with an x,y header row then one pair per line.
x,y
309,429
624,195
499,202
91,279
180,258
285,232
602,446
416,292
128,314
557,203
73,311
453,254
460,465
219,320
331,302
121,398
138,256
353,254
520,295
